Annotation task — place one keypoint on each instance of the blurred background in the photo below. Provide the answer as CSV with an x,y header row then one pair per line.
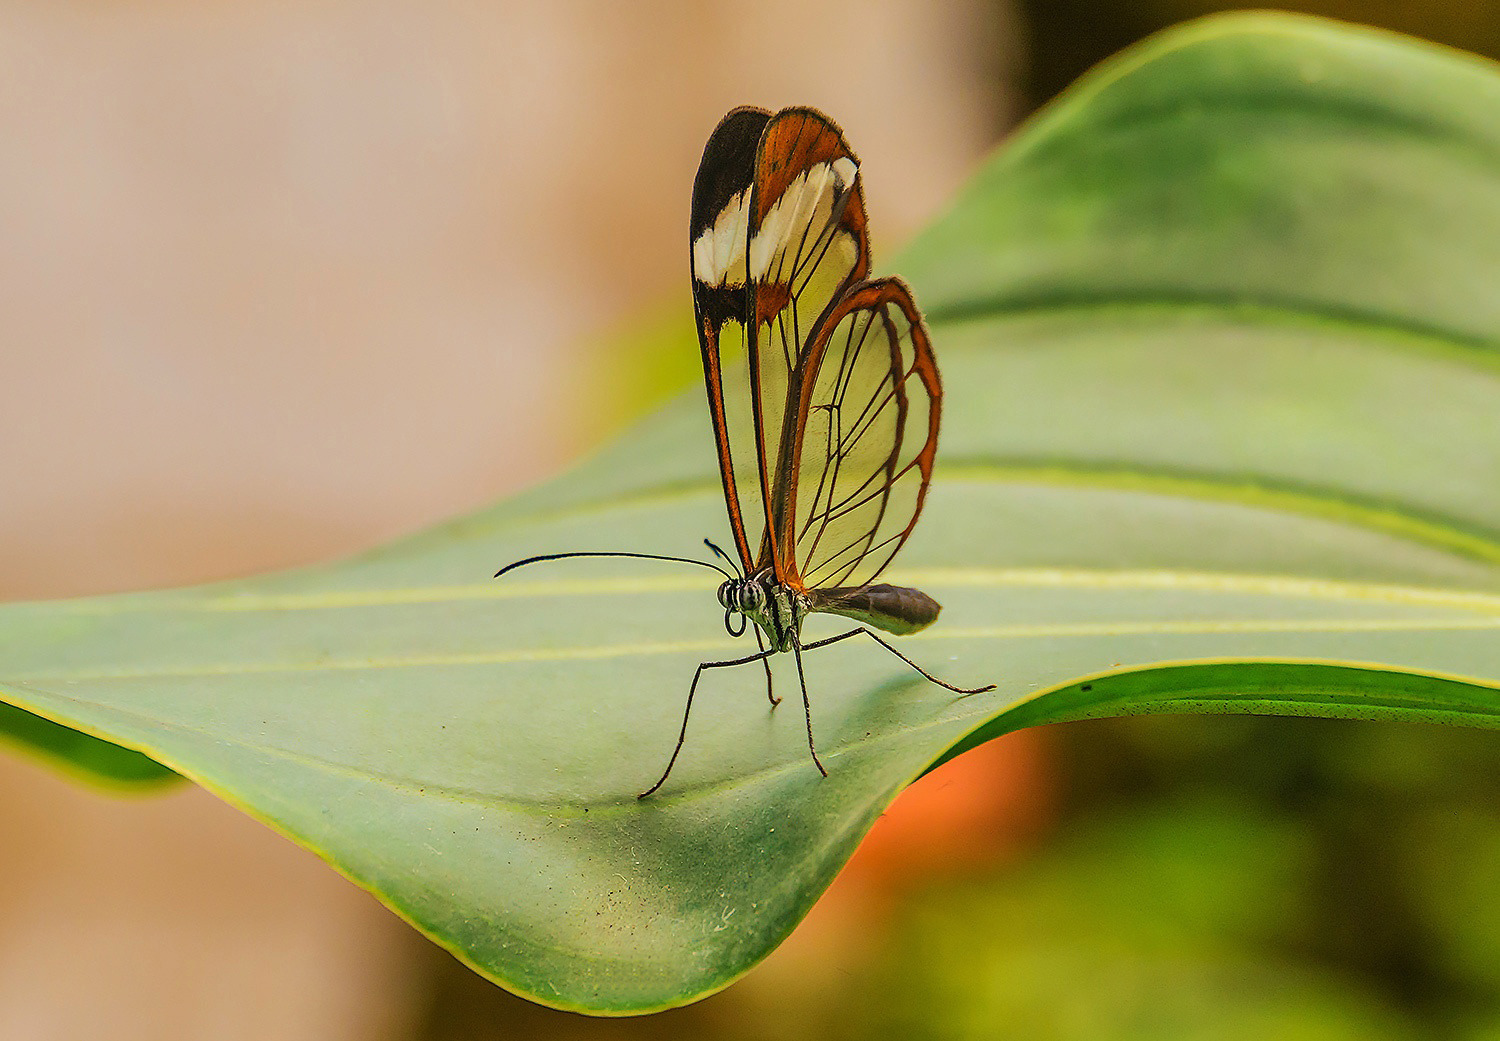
x,y
281,281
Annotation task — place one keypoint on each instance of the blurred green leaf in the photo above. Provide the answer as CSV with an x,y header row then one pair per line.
x,y
1158,924
1218,335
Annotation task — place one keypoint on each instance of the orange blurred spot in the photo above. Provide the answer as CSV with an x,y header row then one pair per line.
x,y
972,812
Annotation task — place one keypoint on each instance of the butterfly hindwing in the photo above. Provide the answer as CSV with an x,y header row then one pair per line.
x,y
866,437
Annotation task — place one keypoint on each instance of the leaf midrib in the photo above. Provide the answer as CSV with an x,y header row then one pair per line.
x,y
1057,631
937,577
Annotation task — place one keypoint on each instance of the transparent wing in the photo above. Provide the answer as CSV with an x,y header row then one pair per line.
x,y
807,245
722,300
864,438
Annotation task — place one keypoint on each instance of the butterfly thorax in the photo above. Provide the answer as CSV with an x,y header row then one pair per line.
x,y
776,608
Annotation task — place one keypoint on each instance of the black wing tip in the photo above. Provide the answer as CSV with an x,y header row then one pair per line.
x,y
728,164
741,112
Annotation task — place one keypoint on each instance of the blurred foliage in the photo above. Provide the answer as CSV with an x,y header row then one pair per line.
x,y
637,368
1065,38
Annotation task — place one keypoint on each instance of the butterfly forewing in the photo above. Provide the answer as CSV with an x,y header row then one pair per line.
x,y
808,244
866,435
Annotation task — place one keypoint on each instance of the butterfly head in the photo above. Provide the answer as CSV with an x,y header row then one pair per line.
x,y
746,598
742,596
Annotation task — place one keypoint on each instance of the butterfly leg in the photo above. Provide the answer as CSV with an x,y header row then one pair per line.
x,y
924,672
766,661
687,711
806,704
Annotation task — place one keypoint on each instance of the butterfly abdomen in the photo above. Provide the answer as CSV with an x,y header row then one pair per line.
x,y
895,609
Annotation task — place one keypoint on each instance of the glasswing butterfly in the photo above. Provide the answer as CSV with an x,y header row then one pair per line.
x,y
826,452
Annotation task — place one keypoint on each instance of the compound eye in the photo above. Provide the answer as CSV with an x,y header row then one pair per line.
x,y
727,597
754,597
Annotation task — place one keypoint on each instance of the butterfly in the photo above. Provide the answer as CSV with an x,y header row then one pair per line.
x,y
826,438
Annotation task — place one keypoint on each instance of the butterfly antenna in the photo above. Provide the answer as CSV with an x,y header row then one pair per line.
x,y
727,559
637,556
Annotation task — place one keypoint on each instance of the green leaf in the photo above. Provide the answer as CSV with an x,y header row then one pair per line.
x,y
1222,434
